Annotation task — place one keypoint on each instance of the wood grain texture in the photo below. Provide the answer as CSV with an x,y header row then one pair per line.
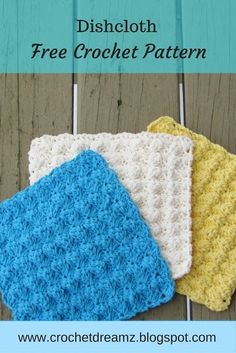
x,y
125,102
210,105
45,107
117,103
9,140
30,106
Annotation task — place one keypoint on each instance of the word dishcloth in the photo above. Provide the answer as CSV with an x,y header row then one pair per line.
x,y
212,279
74,247
156,170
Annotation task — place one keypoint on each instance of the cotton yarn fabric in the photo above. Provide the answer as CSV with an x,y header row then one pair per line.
x,y
212,279
156,170
74,247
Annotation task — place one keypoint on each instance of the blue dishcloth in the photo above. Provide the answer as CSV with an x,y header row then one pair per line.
x,y
74,247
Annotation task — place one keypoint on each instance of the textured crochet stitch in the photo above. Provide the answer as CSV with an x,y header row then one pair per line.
x,y
212,279
156,170
74,247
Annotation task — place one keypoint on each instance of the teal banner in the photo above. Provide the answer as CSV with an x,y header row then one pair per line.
x,y
117,36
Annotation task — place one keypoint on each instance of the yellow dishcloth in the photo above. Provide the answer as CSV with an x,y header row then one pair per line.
x,y
212,279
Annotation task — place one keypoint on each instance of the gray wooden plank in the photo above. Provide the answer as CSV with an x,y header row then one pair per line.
x,y
9,139
125,102
45,107
210,105
30,106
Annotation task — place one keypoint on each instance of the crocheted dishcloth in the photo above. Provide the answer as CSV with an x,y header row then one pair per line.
x,y
75,247
212,279
156,170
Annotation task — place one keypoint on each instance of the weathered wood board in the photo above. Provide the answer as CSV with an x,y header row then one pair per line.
x,y
9,151
30,106
116,103
210,106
